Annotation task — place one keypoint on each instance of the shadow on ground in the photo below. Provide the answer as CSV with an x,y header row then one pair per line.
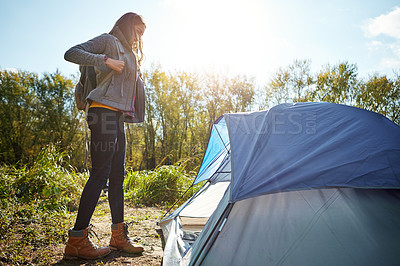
x,y
118,257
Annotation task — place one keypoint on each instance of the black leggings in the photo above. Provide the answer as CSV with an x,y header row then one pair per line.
x,y
107,148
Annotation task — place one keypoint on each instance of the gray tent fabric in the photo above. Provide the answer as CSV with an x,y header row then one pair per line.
x,y
199,249
205,203
309,184
175,247
202,204
338,226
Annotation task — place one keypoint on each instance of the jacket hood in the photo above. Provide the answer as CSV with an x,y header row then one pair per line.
x,y
116,31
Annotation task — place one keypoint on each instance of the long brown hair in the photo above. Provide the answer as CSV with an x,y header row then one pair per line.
x,y
126,23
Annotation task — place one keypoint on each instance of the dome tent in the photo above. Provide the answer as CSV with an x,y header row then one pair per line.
x,y
309,184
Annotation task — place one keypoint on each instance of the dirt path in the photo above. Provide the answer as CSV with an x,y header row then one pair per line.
x,y
142,231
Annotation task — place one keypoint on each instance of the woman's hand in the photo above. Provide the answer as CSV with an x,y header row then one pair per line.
x,y
116,65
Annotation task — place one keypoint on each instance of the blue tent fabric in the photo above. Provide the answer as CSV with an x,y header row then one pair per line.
x,y
312,145
223,173
217,149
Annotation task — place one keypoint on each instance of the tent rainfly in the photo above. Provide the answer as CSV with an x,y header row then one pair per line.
x,y
298,184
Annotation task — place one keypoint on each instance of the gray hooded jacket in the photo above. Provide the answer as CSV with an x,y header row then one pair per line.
x,y
121,90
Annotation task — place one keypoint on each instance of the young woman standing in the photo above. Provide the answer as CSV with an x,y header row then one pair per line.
x,y
116,58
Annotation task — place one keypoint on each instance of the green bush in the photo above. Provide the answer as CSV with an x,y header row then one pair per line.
x,y
46,181
35,205
162,186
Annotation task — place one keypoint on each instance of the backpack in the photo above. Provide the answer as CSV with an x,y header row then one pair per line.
x,y
87,82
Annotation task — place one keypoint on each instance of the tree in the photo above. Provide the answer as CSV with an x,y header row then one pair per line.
x,y
335,84
150,125
381,95
18,116
242,91
290,84
56,113
35,112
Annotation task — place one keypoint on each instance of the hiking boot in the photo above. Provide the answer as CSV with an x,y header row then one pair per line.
x,y
120,239
80,246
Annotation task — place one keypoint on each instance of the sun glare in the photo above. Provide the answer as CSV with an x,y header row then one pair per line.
x,y
224,34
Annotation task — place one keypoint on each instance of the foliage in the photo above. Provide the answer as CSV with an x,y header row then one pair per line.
x,y
35,112
35,205
180,109
16,102
337,84
36,202
28,232
162,186
290,84
382,95
46,182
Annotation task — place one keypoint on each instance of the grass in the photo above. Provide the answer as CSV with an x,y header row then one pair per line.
x,y
35,207
159,187
29,232
38,203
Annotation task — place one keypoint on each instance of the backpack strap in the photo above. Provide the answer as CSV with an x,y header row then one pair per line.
x,y
109,75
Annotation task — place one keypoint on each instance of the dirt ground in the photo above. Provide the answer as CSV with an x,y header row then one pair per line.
x,y
142,231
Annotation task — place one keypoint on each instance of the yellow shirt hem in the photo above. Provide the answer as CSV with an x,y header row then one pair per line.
x,y
96,104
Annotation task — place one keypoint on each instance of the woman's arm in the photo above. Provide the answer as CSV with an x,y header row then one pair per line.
x,y
90,53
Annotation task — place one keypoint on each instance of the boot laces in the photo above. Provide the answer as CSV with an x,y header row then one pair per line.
x,y
92,233
127,232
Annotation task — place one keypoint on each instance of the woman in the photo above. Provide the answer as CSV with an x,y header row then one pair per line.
x,y
116,57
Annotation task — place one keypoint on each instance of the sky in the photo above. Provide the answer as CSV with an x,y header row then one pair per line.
x,y
250,37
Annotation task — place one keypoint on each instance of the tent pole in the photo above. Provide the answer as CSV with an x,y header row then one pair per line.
x,y
213,236
175,203
216,129
181,198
